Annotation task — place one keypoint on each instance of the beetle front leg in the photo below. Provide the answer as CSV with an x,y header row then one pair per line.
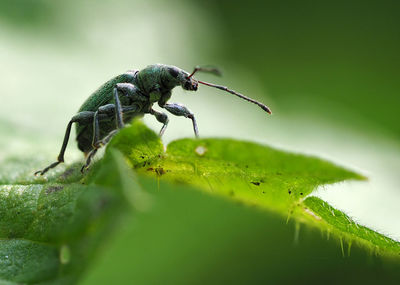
x,y
180,110
162,118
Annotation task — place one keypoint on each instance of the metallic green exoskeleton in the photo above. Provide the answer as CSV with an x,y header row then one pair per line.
x,y
130,95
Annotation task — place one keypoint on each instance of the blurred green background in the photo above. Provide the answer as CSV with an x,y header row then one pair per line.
x,y
337,59
328,69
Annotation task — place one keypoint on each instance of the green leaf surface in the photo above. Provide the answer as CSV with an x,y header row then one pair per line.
x,y
51,226
253,174
246,171
343,226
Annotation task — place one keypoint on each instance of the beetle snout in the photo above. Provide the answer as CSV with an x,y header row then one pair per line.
x,y
190,85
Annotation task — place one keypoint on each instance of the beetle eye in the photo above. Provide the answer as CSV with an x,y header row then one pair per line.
x,y
187,85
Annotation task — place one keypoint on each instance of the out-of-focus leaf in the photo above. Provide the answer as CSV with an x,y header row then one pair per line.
x,y
51,227
190,237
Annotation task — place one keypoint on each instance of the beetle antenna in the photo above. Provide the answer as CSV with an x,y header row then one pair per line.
x,y
213,70
261,105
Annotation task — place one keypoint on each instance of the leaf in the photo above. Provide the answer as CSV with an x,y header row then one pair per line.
x,y
246,171
190,237
194,237
255,175
51,227
345,227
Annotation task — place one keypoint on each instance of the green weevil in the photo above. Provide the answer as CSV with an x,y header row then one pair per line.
x,y
129,95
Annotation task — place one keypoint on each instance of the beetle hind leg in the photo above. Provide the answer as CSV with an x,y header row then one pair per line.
x,y
82,118
60,157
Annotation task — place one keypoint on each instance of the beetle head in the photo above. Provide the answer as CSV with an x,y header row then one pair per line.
x,y
177,76
188,82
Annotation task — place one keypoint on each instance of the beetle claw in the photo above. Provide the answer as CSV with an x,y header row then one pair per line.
x,y
84,168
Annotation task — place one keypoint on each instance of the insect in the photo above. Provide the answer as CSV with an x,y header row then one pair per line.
x,y
129,95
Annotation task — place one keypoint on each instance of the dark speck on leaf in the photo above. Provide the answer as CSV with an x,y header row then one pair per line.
x,y
301,193
246,166
52,189
160,171
141,156
290,192
263,192
256,183
150,169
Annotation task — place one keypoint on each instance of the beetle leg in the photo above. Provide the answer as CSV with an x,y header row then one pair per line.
x,y
96,130
111,107
89,159
104,111
164,98
125,110
83,118
95,141
130,91
180,110
107,138
118,110
162,118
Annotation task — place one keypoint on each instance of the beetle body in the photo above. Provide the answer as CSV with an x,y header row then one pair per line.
x,y
101,97
154,83
130,95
